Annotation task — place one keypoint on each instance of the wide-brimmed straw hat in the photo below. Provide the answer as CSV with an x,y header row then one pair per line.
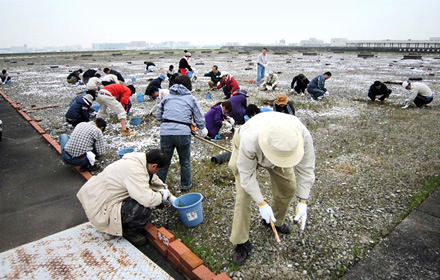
x,y
282,143
281,99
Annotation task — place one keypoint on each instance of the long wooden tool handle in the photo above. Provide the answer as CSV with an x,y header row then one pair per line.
x,y
212,143
277,238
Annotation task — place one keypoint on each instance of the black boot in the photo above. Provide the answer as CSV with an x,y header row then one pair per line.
x,y
284,228
241,252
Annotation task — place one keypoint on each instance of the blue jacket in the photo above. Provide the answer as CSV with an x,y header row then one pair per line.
x,y
239,104
317,82
78,110
180,106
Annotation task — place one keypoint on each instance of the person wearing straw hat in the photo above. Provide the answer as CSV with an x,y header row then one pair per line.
x,y
284,147
283,105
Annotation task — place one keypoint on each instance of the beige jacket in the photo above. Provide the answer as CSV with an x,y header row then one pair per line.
x,y
102,196
419,88
250,156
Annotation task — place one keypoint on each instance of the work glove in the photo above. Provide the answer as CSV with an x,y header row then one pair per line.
x,y
204,132
266,212
172,198
292,90
91,157
227,124
327,93
165,194
301,214
231,120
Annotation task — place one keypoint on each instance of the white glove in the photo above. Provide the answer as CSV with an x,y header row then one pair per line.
x,y
301,214
91,157
172,199
165,194
266,212
204,132
292,90
227,124
231,120
327,93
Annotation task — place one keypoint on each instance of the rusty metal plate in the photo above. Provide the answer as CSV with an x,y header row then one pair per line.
x,y
79,253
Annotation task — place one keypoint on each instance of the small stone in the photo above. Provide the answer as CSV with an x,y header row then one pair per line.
x,y
304,272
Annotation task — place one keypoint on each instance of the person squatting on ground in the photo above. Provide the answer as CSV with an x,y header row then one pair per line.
x,y
301,84
170,72
184,67
215,76
79,109
420,94
283,145
216,117
251,110
176,112
109,79
87,75
271,82
158,96
317,88
149,66
261,65
116,73
379,89
84,145
74,76
108,97
6,79
120,200
283,105
239,105
229,85
154,86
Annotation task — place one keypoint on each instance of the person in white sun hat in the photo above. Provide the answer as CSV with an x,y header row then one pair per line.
x,y
284,147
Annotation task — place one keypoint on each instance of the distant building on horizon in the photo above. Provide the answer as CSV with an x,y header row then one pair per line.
x,y
312,42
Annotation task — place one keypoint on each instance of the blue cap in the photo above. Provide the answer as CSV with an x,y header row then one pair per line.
x,y
162,77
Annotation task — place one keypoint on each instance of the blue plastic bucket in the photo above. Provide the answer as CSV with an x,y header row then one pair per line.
x,y
133,79
96,107
122,152
135,120
140,97
190,210
208,95
190,74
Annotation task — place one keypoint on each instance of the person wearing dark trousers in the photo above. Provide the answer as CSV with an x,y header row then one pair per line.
x,y
79,109
378,89
154,86
114,72
74,76
121,199
215,76
229,85
301,84
283,105
421,94
316,86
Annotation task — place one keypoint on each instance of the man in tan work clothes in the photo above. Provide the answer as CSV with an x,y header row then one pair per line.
x,y
283,145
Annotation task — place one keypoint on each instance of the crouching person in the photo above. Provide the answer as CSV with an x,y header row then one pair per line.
x,y
83,145
120,200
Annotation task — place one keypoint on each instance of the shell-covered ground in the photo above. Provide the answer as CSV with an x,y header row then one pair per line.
x,y
372,159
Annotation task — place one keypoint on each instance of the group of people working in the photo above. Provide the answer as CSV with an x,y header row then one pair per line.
x,y
120,200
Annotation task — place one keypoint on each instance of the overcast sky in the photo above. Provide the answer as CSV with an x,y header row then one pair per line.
x,y
42,23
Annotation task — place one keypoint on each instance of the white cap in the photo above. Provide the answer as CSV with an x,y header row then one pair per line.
x,y
405,84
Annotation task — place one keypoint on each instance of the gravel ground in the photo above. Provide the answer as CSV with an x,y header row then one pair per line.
x,y
372,159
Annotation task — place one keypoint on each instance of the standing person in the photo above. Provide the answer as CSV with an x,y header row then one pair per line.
x,y
114,72
271,82
229,85
184,66
261,65
149,66
79,109
154,86
284,147
216,117
239,104
176,112
316,87
84,145
74,76
215,76
420,94
378,88
107,97
120,200
283,105
301,84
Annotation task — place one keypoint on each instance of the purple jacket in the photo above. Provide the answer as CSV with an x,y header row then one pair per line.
x,y
214,119
239,104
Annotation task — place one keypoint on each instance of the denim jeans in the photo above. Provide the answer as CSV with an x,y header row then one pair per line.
x,y
81,160
226,91
316,92
182,143
260,73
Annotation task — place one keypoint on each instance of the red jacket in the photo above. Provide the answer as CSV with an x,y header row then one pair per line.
x,y
120,92
230,83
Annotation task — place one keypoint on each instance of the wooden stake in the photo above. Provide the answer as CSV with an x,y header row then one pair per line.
x,y
212,143
277,238
44,107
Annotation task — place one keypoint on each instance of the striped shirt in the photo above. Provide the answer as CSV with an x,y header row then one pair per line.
x,y
85,138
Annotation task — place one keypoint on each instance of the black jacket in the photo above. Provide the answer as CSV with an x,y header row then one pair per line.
x,y
214,77
153,86
78,110
183,63
301,81
74,74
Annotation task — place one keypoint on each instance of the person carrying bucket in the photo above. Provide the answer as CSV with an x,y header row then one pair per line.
x,y
120,200
284,147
